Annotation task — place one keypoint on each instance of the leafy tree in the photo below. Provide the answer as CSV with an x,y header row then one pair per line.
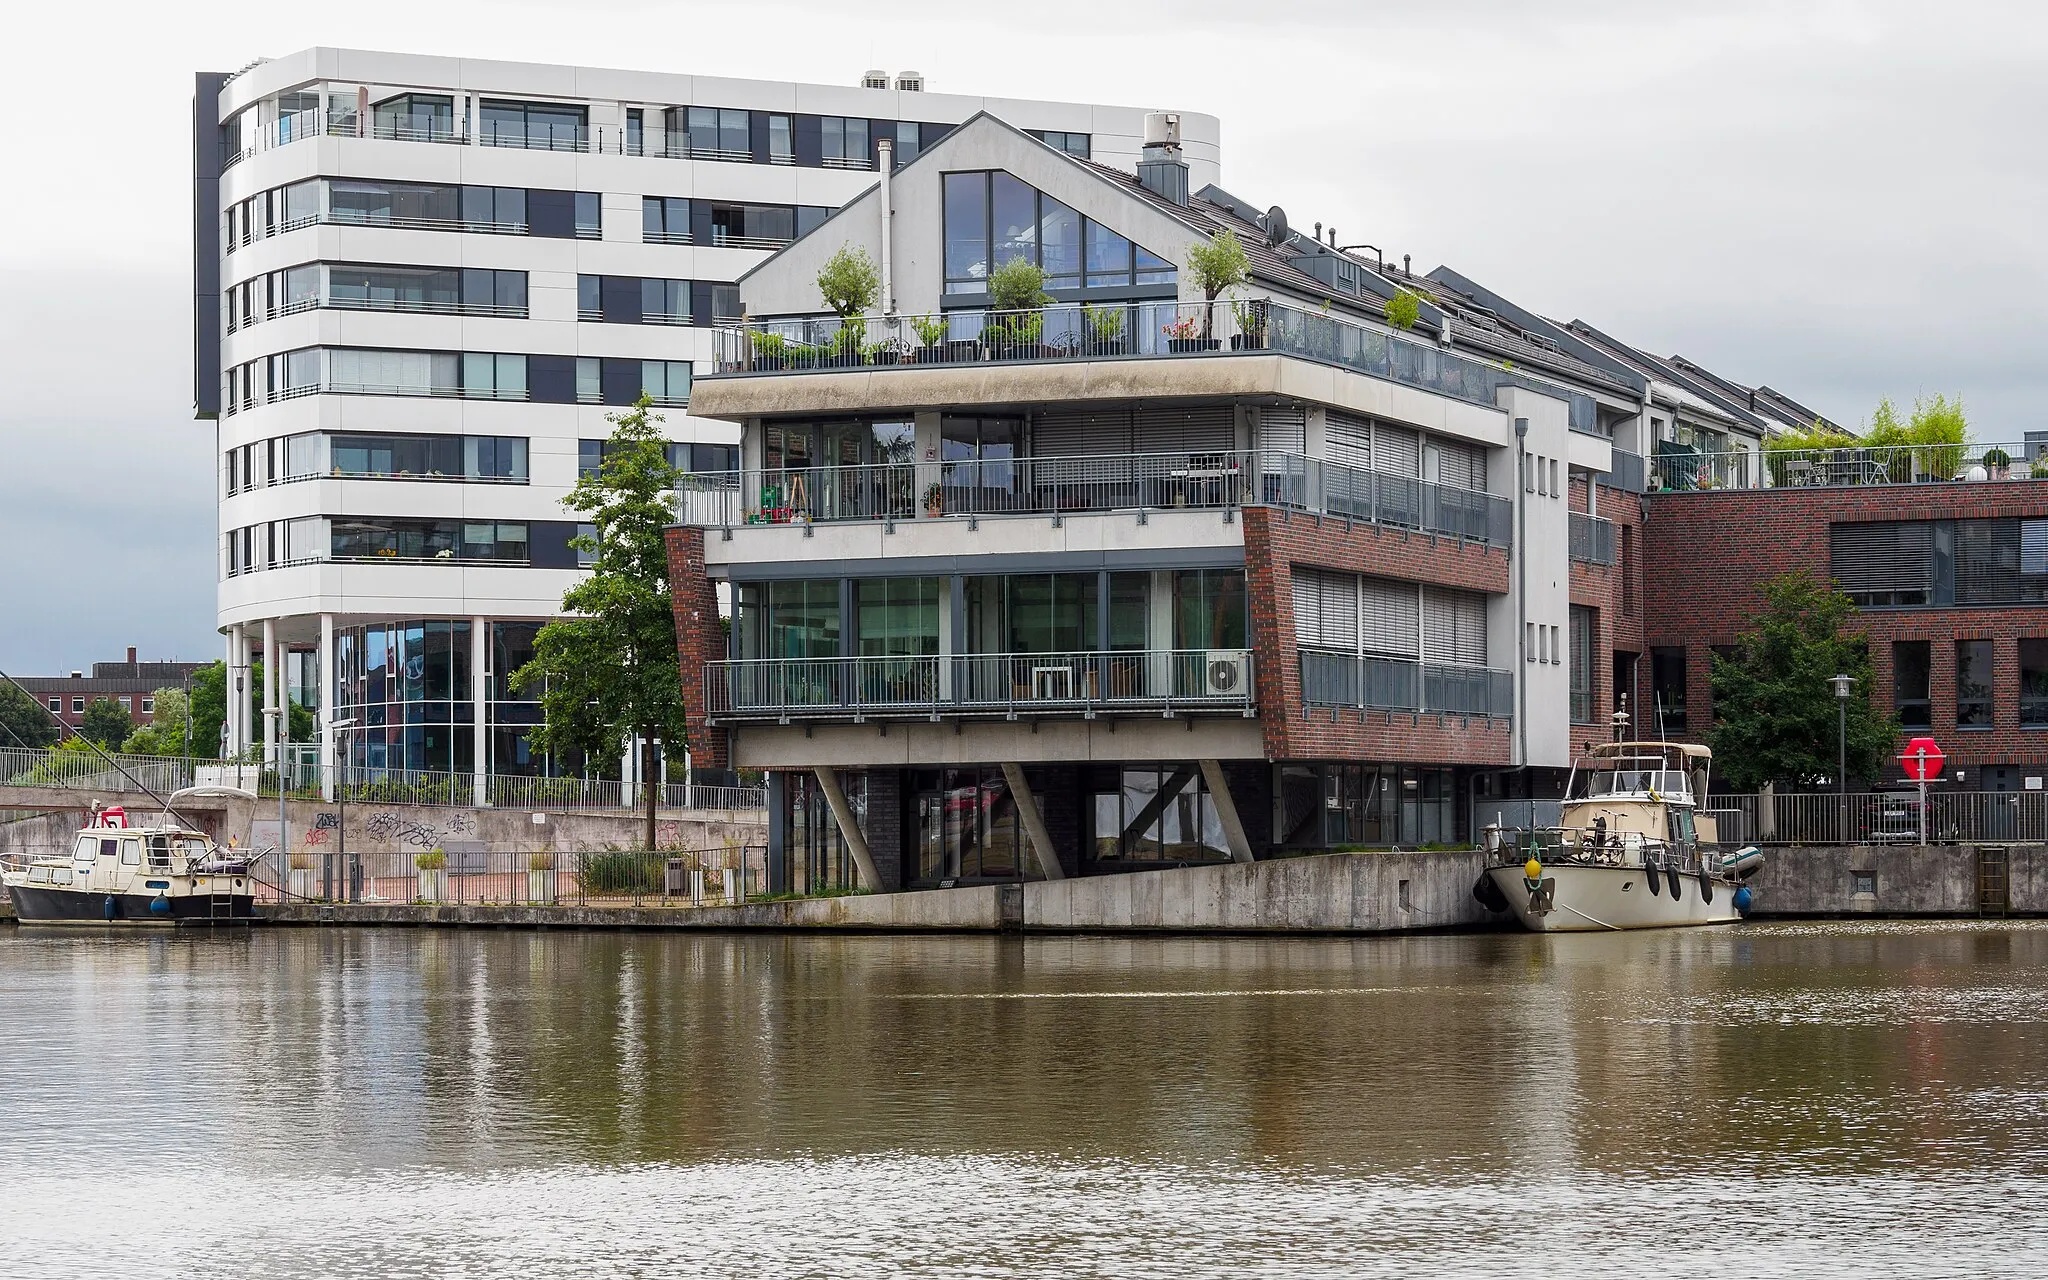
x,y
1774,707
1219,264
1017,285
607,672
1404,309
210,711
105,723
23,722
849,283
164,735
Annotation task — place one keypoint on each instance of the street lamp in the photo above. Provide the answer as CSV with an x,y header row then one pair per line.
x,y
340,757
1842,688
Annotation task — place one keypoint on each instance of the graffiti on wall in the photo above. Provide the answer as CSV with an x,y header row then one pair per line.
x,y
398,828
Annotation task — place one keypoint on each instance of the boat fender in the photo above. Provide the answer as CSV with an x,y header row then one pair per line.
x,y
1706,886
160,905
1488,894
1677,883
110,908
1744,897
1650,880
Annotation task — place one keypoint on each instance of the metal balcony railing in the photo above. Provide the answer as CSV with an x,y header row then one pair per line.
x,y
535,137
1126,330
1006,684
1680,469
1592,539
1396,684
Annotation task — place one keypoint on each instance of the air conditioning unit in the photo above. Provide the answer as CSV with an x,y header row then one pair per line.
x,y
1226,673
874,79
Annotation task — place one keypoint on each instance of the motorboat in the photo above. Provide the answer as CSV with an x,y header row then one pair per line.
x,y
122,875
1631,849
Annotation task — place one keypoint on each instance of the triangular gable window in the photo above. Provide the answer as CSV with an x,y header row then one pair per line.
x,y
993,217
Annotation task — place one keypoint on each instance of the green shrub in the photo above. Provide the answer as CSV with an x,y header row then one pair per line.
x,y
1017,285
931,330
614,871
1404,309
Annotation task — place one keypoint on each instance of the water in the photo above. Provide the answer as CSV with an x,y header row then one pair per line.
x,y
1776,1099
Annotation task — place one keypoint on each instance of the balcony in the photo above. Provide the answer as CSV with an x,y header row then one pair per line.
x,y
1396,684
1680,469
1094,484
1592,539
533,136
1122,331
1008,686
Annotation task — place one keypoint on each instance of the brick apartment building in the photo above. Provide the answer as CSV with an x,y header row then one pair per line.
x,y
131,685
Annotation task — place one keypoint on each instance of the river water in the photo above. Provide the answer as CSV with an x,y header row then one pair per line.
x,y
1768,1099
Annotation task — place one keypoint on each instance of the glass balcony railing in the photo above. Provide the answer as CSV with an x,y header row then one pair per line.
x,y
1396,684
1592,539
1682,469
1127,330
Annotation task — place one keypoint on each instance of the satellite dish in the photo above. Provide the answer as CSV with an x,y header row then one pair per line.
x,y
1276,225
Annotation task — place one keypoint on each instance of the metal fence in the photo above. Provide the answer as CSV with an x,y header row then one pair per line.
x,y
1592,539
1871,817
604,878
1678,468
1395,684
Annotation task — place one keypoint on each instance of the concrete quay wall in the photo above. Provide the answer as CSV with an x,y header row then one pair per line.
x,y
1904,880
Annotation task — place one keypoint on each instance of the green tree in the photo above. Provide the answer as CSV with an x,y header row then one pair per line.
x,y
23,722
1218,264
1404,309
164,735
849,283
1017,285
1774,707
607,671
210,711
106,724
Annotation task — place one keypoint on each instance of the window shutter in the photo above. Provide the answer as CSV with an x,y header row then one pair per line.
x,y
1326,610
1987,561
1347,440
1066,433
1284,429
1454,627
2034,546
1388,616
1460,464
1889,562
1204,429
1396,450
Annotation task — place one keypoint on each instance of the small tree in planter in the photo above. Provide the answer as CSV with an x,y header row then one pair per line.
x,y
433,875
1404,309
1218,265
1105,330
1251,315
931,337
1016,291
1998,462
850,287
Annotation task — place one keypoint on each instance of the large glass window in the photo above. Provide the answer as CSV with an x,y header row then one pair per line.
x,y
979,454
1209,609
1059,238
666,382
494,207
781,141
493,376
845,142
798,619
721,131
665,219
752,225
403,373
2034,682
395,288
897,617
966,200
1074,144
379,203
967,826
665,301
415,117
1014,220
542,126
1974,684
1912,683
1158,814
378,538
1033,613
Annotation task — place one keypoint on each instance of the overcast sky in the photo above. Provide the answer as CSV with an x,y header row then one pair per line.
x,y
1837,199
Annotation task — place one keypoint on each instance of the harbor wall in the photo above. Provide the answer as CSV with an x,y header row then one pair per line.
x,y
1903,880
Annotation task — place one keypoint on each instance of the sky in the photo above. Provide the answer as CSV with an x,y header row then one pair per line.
x,y
1836,198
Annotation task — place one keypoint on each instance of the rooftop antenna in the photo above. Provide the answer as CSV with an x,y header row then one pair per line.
x,y
134,781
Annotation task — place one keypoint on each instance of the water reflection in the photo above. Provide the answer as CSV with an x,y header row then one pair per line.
x,y
394,1100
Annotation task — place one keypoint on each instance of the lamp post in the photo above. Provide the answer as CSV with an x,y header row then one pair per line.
x,y
1842,689
340,756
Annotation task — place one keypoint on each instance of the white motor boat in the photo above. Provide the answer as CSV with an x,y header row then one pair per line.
x,y
1631,850
122,875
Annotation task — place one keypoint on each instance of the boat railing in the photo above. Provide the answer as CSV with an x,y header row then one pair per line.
x,y
1587,846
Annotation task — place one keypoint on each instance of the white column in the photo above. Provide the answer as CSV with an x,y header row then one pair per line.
x,y
327,707
238,692
234,635
480,701
273,733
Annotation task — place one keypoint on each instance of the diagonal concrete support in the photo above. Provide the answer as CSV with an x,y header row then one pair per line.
x,y
1226,811
849,830
1034,822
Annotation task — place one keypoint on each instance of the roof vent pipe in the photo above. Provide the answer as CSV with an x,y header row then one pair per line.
x,y
1404,266
885,161
1319,231
1333,236
1160,168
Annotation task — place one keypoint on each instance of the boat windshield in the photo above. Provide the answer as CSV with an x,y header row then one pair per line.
x,y
1626,781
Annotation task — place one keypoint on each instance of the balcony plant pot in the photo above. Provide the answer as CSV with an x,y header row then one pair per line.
x,y
770,364
1247,342
842,360
432,870
1192,344
961,351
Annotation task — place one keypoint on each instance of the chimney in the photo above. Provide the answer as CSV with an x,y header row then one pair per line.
x,y
131,655
1161,170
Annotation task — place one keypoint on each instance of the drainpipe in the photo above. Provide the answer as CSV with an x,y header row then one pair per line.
x,y
885,160
1521,555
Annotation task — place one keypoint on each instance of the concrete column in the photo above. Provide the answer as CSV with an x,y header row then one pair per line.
x,y
273,732
228,685
238,691
480,701
1034,822
327,761
1226,811
849,830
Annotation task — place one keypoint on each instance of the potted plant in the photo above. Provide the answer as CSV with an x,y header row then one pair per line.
x,y
2038,469
1105,330
300,878
1404,309
931,336
1998,462
849,286
1217,264
934,499
433,875
1016,326
1250,315
767,351
1184,334
540,869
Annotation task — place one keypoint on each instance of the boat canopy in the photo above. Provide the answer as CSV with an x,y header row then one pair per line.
x,y
1690,750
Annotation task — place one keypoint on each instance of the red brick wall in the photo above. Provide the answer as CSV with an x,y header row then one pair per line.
x,y
700,638
1277,540
1707,556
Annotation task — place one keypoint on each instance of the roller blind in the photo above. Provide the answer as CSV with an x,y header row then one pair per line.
x,y
1283,429
1388,617
1454,627
1459,464
1326,610
1396,450
1347,440
1062,433
1887,562
1203,429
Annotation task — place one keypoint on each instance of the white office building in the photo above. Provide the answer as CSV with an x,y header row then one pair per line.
x,y
421,284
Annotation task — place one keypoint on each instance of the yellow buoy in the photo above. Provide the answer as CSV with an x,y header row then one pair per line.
x,y
1533,869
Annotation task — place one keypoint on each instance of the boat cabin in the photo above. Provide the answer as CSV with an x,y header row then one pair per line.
x,y
1653,789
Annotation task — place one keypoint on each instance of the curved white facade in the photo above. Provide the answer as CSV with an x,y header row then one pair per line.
x,y
408,463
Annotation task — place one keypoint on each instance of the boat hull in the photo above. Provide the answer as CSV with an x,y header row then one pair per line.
x,y
43,904
1601,899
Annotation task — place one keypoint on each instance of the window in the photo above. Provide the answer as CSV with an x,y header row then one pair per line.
x,y
726,307
495,207
376,203
127,704
636,132
1209,609
1581,664
2033,682
718,133
589,380
415,117
666,382
78,706
585,545
1667,688
665,219
399,373
488,376
1973,684
1884,564
991,217
966,215
590,297
148,704
897,618
908,135
589,215
393,288
1912,682
488,292
781,141
57,704
535,126
752,226
845,142
665,302
1074,144
378,538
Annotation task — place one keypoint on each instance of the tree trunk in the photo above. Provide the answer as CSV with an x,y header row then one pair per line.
x,y
650,784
